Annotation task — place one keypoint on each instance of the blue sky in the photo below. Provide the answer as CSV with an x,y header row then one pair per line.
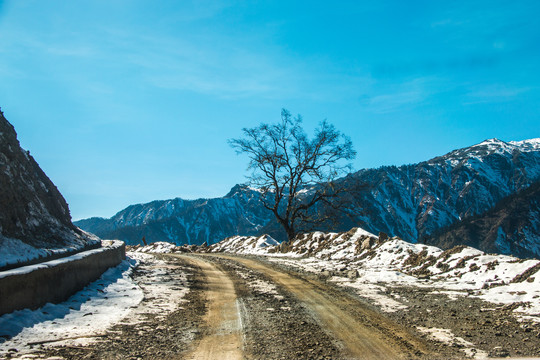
x,y
124,102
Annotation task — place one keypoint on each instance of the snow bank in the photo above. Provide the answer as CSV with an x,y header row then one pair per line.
x,y
162,247
369,263
14,251
157,247
115,298
106,246
87,313
247,245
237,244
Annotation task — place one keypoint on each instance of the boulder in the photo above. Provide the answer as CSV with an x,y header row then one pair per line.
x,y
367,243
499,352
352,274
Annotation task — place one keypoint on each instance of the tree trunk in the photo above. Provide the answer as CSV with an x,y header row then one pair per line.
x,y
291,233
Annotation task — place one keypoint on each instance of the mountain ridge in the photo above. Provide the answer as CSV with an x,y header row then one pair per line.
x,y
410,201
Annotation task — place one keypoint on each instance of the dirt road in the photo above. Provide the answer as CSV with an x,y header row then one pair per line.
x,y
222,333
363,333
246,308
358,332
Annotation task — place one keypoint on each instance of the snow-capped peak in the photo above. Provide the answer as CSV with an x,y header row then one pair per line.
x,y
527,145
523,145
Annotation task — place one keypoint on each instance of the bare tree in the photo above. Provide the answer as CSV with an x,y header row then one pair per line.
x,y
295,173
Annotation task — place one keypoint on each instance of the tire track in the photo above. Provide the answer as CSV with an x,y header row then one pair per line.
x,y
365,334
222,329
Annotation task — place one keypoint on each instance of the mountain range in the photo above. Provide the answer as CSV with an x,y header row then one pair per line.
x,y
417,202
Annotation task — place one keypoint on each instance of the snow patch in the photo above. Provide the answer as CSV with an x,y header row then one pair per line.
x,y
106,245
113,299
447,337
247,245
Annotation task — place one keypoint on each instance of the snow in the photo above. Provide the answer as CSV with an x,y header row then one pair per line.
x,y
159,247
106,245
113,299
527,145
259,285
164,289
381,265
375,294
247,245
87,313
14,251
252,188
526,291
446,336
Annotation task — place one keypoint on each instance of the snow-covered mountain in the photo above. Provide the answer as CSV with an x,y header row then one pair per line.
x,y
34,217
186,221
410,201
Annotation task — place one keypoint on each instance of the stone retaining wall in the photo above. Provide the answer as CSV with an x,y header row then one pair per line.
x,y
55,281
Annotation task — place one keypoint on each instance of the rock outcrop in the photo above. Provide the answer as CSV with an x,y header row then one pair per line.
x,y
34,216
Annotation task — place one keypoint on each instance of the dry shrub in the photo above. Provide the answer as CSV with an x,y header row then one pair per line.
x,y
447,253
443,266
492,265
415,259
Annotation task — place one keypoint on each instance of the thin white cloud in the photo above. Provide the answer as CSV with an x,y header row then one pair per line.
x,y
494,93
393,102
207,60
220,66
399,96
214,70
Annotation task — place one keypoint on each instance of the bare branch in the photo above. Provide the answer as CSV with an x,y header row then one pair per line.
x,y
295,173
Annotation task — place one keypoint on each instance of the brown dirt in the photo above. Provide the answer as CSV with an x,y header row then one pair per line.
x,y
241,307
350,323
222,326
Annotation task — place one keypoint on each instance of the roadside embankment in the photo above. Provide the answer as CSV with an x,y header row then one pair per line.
x,y
54,281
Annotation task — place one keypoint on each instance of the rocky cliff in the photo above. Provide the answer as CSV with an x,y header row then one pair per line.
x,y
34,216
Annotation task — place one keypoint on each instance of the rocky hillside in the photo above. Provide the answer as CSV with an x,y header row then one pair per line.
x,y
410,201
511,227
34,217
